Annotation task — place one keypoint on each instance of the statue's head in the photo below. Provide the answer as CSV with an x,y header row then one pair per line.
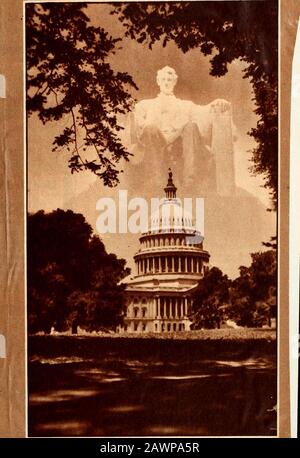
x,y
166,79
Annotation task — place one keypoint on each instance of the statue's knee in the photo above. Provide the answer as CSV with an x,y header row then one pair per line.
x,y
151,129
191,127
152,136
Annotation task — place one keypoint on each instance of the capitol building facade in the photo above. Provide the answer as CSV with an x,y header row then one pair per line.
x,y
169,264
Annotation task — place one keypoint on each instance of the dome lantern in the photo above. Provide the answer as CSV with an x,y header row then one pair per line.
x,y
170,189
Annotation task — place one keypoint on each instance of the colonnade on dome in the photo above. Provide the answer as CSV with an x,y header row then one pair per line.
x,y
170,263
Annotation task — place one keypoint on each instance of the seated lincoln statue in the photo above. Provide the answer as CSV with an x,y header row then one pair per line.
x,y
195,141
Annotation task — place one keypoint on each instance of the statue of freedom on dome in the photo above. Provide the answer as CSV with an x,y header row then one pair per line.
x,y
196,141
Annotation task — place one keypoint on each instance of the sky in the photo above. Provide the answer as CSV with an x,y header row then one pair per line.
x,y
51,184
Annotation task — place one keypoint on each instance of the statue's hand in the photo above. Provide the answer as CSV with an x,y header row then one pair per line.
x,y
220,106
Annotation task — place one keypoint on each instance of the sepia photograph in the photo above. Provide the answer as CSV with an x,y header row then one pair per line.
x,y
152,218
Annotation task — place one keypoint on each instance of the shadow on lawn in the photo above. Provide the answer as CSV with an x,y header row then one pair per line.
x,y
116,396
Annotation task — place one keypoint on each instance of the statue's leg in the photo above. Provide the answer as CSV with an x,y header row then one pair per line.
x,y
173,159
152,138
198,161
222,148
149,173
191,146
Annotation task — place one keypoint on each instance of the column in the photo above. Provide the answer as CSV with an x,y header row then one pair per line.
x,y
185,306
159,264
165,307
176,307
138,267
158,307
186,264
148,265
181,307
197,265
173,264
179,264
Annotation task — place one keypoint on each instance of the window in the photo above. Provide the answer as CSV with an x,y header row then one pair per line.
x,y
135,311
144,327
136,326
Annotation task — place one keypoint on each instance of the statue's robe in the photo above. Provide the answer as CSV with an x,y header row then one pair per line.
x,y
167,132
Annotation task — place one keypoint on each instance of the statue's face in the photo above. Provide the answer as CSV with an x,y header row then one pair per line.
x,y
166,82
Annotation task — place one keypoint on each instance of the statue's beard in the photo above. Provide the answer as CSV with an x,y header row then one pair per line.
x,y
166,90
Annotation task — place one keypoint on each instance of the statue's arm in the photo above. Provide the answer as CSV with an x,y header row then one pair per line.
x,y
205,116
223,107
220,106
201,116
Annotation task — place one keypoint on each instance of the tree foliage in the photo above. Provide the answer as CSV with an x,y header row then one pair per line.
x,y
249,300
71,277
227,30
253,294
69,76
209,299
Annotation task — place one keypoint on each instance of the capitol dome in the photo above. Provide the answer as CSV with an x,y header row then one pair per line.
x,y
169,263
171,216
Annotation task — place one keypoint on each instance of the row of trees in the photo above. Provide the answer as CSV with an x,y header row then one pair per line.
x,y
72,280
249,300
